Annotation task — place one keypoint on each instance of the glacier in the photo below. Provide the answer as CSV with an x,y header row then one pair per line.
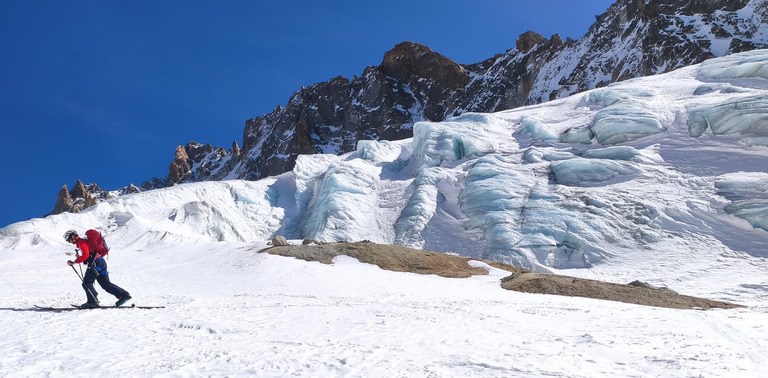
x,y
610,184
651,165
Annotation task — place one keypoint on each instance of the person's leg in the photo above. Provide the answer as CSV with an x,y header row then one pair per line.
x,y
103,278
90,291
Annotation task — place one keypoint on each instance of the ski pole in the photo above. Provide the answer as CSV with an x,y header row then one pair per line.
x,y
78,274
83,281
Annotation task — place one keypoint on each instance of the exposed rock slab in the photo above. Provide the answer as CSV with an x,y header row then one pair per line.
x,y
635,293
403,259
391,257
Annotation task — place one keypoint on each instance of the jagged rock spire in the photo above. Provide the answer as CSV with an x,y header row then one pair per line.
x,y
63,202
79,198
179,166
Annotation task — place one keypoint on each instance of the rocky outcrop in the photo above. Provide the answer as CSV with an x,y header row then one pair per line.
x,y
390,257
404,259
636,292
79,198
130,189
528,40
198,162
414,64
63,202
280,241
179,166
235,150
82,197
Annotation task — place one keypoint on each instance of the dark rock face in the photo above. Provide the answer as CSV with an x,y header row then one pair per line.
x,y
710,6
208,163
632,38
528,40
412,63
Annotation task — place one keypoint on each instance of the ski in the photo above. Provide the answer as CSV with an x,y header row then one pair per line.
x,y
133,305
75,307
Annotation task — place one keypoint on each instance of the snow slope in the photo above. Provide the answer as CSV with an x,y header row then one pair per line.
x,y
231,311
661,179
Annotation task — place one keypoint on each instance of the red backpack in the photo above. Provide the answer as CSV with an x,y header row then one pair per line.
x,y
97,241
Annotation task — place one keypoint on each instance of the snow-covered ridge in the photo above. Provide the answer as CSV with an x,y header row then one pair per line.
x,y
661,165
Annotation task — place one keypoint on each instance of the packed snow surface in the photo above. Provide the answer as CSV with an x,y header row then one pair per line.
x,y
661,179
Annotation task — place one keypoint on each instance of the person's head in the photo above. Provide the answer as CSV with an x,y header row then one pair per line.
x,y
70,236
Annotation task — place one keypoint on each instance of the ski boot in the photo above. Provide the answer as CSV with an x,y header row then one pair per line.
x,y
90,304
122,300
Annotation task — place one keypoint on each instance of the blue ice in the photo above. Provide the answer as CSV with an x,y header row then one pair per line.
x,y
624,122
581,172
752,64
537,130
745,115
613,153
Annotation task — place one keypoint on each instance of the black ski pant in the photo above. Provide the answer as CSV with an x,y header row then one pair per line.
x,y
97,271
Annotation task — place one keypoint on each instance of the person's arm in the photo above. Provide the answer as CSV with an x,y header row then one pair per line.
x,y
85,249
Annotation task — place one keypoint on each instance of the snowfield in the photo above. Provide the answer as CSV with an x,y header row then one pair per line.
x,y
661,179
231,311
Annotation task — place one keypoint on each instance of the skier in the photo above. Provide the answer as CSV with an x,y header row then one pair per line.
x,y
97,271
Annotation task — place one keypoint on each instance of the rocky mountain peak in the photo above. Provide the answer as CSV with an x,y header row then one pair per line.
x,y
63,202
79,198
130,189
235,150
197,162
409,61
528,40
79,191
179,166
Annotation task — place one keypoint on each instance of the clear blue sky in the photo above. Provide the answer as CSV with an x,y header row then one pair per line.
x,y
104,91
